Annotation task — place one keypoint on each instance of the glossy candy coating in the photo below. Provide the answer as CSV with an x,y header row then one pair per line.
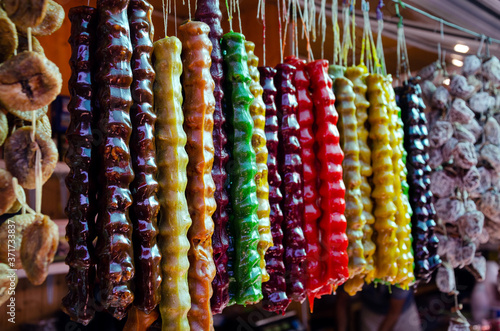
x,y
311,211
357,75
198,107
332,223
173,219
114,251
208,11
291,170
144,209
274,290
244,223
81,206
346,107
258,112
403,214
383,179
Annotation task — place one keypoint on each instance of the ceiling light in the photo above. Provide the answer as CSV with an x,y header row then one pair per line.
x,y
461,48
457,62
446,81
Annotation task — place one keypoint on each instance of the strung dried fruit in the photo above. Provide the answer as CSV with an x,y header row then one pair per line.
x,y
471,224
21,222
484,183
23,44
462,134
7,194
8,42
481,102
491,131
440,133
4,127
442,184
490,204
491,154
52,21
472,64
38,248
440,98
16,206
29,81
138,320
43,125
471,180
464,155
460,112
20,156
26,13
435,157
445,278
27,115
7,278
449,210
491,70
459,87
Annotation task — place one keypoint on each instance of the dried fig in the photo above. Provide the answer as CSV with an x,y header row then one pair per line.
x,y
429,72
440,98
471,224
464,155
38,248
462,134
4,127
481,102
459,112
448,149
491,154
7,194
459,87
17,205
440,133
20,156
29,81
490,205
8,42
54,17
472,64
492,131
445,278
449,210
474,127
435,157
484,183
21,222
8,278
491,70
442,184
26,13
27,115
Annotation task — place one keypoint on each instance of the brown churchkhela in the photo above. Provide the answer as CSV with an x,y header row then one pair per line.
x,y
79,302
208,12
115,269
198,112
145,206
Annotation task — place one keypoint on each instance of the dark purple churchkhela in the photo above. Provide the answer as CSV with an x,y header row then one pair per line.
x,y
417,145
274,290
208,12
80,209
144,209
290,167
114,251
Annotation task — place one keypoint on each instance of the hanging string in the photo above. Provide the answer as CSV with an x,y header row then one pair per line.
x,y
310,55
239,14
322,18
312,20
346,35
175,17
165,19
402,51
189,8
230,15
353,31
261,12
380,28
21,198
286,21
295,27
279,29
336,31
480,49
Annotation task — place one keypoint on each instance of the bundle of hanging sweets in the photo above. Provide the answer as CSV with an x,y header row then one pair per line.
x,y
222,182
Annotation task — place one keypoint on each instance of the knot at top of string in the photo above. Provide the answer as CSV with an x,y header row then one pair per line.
x,y
380,15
